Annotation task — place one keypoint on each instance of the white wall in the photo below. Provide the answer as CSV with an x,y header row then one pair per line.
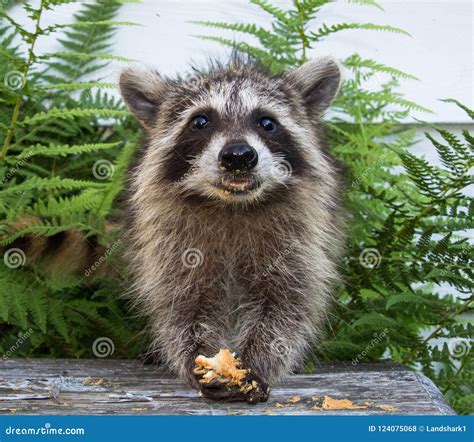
x,y
440,51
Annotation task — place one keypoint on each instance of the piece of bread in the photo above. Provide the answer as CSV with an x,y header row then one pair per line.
x,y
224,367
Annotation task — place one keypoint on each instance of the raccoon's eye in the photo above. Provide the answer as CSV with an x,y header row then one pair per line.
x,y
267,124
200,122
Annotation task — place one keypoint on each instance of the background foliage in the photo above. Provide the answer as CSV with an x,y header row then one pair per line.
x,y
66,143
408,272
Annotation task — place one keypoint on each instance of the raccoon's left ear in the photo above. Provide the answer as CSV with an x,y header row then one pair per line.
x,y
318,81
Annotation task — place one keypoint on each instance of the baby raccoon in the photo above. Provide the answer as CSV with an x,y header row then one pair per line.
x,y
234,222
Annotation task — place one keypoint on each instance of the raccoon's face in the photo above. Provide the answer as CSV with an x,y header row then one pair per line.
x,y
234,134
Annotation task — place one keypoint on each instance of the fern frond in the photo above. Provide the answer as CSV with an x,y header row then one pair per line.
x,y
38,307
240,46
326,30
55,113
355,61
63,150
260,33
75,86
88,24
87,200
83,56
469,111
367,3
273,10
50,183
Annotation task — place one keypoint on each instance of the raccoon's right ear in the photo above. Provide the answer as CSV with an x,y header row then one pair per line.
x,y
142,91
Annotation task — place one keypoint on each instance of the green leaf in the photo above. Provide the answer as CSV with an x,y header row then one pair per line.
x,y
38,306
63,150
466,109
55,113
326,30
405,298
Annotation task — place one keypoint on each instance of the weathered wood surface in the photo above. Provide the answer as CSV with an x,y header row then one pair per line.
x,y
47,386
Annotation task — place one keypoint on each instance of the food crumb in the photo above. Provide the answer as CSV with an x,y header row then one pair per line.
x,y
278,405
89,381
386,407
294,399
340,404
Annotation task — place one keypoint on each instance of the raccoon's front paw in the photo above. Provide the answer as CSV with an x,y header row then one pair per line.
x,y
222,378
252,390
255,389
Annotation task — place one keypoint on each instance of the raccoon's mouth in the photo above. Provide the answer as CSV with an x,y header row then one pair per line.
x,y
236,185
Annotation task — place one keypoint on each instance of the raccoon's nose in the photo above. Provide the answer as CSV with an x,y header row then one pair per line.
x,y
235,157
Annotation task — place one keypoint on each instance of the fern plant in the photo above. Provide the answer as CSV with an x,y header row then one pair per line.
x,y
65,145
408,218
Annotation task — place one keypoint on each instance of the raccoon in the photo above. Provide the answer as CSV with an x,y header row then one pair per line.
x,y
234,221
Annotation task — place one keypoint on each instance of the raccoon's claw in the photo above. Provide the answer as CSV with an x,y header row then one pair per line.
x,y
257,390
252,391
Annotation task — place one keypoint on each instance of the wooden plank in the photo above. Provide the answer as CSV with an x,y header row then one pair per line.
x,y
72,386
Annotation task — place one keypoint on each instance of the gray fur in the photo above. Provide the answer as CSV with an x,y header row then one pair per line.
x,y
267,260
